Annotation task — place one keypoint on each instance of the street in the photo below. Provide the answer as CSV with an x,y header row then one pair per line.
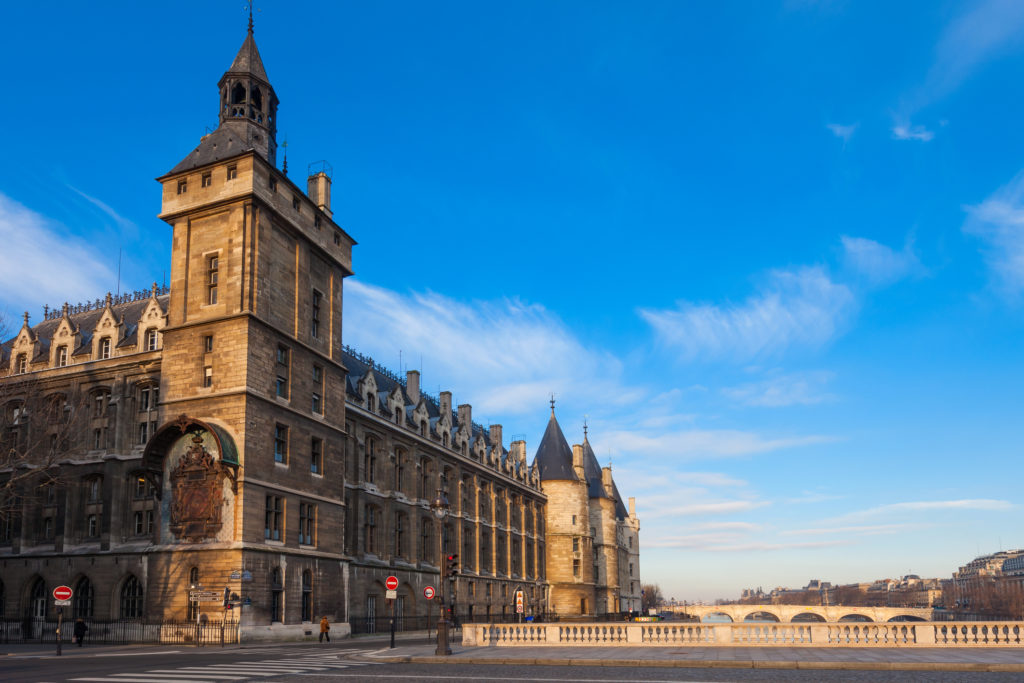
x,y
354,661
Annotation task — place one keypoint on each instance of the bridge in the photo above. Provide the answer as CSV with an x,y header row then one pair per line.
x,y
802,613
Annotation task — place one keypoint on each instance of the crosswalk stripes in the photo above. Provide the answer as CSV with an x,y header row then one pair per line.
x,y
296,662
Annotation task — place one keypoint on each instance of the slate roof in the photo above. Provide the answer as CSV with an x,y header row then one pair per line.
x,y
225,142
554,457
620,509
592,472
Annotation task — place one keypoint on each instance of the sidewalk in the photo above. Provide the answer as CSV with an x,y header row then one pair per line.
x,y
865,658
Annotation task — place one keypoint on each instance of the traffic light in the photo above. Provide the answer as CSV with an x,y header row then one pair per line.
x,y
452,565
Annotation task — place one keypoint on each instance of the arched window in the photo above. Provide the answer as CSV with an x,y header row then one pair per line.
x,y
131,598
276,596
307,595
256,98
37,599
238,94
82,607
193,582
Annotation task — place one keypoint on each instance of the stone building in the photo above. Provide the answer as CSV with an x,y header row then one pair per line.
x,y
219,435
593,542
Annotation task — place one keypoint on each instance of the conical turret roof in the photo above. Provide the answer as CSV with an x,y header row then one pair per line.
x,y
592,471
554,457
248,61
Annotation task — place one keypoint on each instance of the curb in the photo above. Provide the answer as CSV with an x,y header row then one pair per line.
x,y
711,664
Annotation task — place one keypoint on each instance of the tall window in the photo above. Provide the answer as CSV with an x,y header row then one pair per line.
x,y
152,338
276,596
22,365
576,568
370,461
273,518
131,599
426,547
307,523
82,606
100,401
62,356
92,526
105,347
400,531
315,317
307,595
37,601
399,470
149,396
282,371
193,605
370,528
318,390
280,443
212,268
316,458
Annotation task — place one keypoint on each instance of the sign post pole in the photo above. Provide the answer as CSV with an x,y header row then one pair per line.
x,y
392,585
60,620
61,596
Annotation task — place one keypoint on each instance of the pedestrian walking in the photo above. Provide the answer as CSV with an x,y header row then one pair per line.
x,y
79,632
325,630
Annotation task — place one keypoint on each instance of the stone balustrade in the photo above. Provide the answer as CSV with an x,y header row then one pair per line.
x,y
892,634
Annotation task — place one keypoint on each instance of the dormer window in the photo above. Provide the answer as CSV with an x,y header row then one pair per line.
x,y
21,365
62,356
105,347
151,340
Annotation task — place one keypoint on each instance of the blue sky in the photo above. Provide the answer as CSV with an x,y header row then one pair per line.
x,y
773,251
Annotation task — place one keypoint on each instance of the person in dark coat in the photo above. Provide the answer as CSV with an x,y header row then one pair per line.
x,y
79,632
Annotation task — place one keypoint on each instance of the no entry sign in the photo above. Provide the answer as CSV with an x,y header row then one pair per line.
x,y
391,583
428,592
62,593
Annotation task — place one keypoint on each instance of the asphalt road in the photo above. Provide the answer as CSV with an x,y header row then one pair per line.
x,y
352,661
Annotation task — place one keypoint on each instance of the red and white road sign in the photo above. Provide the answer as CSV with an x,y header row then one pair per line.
x,y
62,593
428,592
391,583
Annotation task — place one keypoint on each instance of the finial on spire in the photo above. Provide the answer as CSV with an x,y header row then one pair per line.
x,y
552,405
250,16
26,318
285,146
585,427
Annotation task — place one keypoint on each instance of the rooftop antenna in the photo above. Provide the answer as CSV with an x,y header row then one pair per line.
x,y
399,361
285,145
119,271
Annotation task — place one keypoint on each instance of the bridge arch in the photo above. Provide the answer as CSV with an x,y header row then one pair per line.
x,y
761,616
716,617
906,617
856,617
804,617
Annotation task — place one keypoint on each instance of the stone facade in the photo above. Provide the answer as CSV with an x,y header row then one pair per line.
x,y
219,435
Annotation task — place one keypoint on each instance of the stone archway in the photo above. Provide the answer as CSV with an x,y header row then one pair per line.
x,y
807,617
761,617
862,618
716,617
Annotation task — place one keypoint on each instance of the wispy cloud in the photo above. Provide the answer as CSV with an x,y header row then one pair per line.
x,y
986,31
723,544
979,504
718,507
810,497
801,307
879,264
999,223
804,388
702,443
507,356
842,132
909,132
41,262
106,209
861,530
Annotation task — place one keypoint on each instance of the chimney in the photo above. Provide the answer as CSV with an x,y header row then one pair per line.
x,y
466,415
577,460
496,438
412,385
318,186
632,506
518,448
446,403
606,479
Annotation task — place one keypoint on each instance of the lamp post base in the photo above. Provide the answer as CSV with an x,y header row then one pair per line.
x,y
442,639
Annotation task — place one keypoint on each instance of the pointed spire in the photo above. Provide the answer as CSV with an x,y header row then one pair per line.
x,y
248,61
554,457
250,17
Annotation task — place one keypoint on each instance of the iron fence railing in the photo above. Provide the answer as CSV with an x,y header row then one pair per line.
x,y
120,632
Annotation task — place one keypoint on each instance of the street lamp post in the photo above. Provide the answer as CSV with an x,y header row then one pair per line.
x,y
440,508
